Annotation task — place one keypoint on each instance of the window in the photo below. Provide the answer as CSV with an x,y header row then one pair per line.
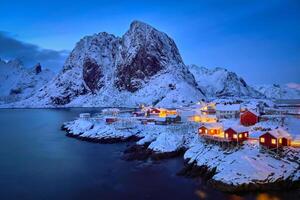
x,y
280,141
273,141
246,135
262,140
240,135
234,136
226,135
206,131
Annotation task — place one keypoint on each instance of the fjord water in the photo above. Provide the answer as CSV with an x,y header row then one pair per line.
x,y
39,162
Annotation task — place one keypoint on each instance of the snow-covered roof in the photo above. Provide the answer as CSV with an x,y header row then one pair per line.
x,y
211,125
280,133
253,111
239,129
228,107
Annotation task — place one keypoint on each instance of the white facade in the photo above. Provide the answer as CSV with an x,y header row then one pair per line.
x,y
228,111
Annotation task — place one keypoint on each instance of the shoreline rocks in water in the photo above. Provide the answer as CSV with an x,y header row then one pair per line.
x,y
241,169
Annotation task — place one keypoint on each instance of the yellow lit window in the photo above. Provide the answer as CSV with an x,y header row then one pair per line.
x,y
211,131
280,141
262,140
273,141
234,136
240,135
206,131
226,135
246,135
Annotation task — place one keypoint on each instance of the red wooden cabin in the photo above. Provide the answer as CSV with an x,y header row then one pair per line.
x,y
237,134
249,118
154,111
275,139
138,114
210,129
110,120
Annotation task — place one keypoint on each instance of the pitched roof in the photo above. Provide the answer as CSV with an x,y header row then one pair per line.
x,y
239,129
211,125
280,133
252,111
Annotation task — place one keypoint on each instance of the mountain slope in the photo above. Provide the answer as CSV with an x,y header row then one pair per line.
x,y
276,91
143,66
18,82
220,82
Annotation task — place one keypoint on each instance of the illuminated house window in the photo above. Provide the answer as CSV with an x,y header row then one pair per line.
x,y
262,140
273,141
280,141
211,131
246,135
226,135
234,136
240,135
206,131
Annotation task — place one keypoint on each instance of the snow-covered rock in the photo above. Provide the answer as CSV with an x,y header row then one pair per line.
x,y
246,165
19,83
277,91
143,66
220,83
242,167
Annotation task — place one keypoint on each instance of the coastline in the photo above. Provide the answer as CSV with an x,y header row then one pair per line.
x,y
201,159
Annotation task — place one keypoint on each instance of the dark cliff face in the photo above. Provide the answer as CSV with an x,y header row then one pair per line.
x,y
92,75
132,75
145,52
38,68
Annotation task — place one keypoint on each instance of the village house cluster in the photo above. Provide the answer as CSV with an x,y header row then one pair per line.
x,y
213,121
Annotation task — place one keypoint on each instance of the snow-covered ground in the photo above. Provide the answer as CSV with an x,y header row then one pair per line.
x,y
244,165
236,166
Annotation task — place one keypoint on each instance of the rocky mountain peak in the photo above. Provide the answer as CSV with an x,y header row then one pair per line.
x,y
15,63
145,52
38,68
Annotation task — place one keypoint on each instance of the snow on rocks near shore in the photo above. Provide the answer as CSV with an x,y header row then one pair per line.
x,y
229,168
246,165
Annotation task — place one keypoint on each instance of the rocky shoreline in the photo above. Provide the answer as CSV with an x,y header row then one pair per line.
x,y
192,170
210,162
99,140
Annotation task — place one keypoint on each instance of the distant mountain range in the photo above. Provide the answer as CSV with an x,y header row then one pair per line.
x,y
142,66
18,83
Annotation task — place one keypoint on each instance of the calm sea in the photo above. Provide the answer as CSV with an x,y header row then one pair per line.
x,y
39,162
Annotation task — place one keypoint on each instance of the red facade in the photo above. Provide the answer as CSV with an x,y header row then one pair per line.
x,y
110,120
154,111
234,136
271,142
248,118
211,131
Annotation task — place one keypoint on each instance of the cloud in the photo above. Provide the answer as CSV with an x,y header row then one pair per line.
x,y
294,86
30,54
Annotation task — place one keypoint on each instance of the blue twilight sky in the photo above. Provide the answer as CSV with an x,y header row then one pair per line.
x,y
258,39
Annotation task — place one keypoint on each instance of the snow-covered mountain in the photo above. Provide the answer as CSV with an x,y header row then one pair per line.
x,y
276,91
143,66
220,82
19,83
